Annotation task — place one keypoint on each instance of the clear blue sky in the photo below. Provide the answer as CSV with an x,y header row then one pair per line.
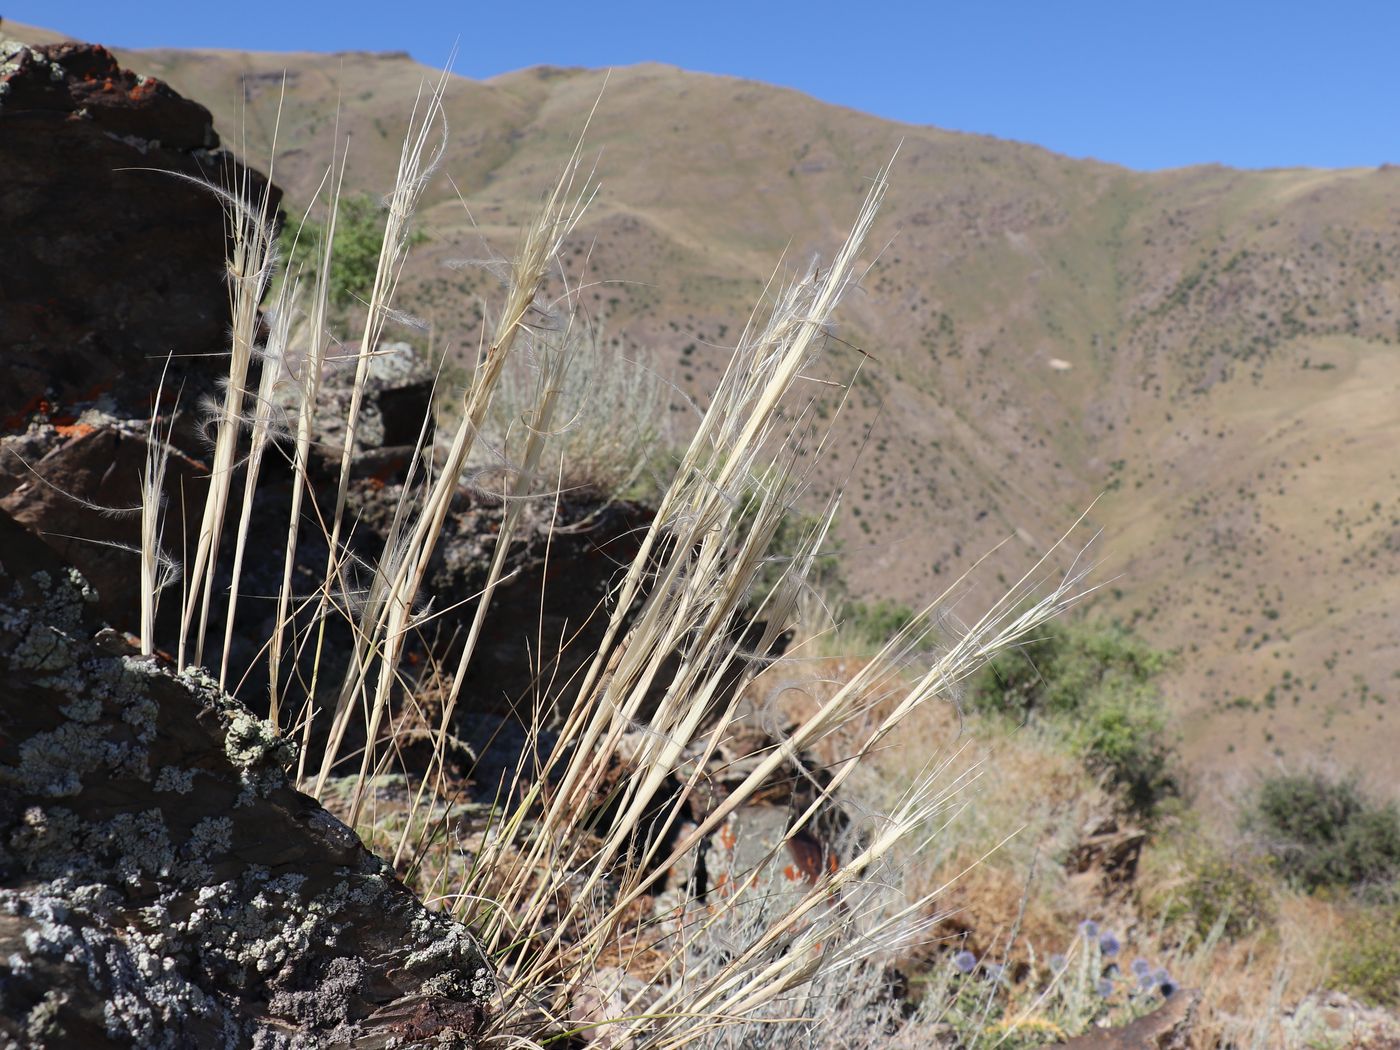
x,y
1146,84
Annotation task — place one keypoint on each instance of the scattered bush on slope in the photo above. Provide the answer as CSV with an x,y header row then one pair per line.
x,y
1325,832
1093,684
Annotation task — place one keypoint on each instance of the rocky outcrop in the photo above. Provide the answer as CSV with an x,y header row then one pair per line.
x,y
108,263
115,259
161,883
79,486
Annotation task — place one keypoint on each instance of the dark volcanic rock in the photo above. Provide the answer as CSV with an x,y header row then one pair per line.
x,y
78,486
112,259
161,884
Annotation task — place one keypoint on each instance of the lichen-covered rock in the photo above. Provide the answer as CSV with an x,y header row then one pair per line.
x,y
397,396
161,883
78,485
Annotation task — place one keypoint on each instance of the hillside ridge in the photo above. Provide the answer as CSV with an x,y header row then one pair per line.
x,y
1210,350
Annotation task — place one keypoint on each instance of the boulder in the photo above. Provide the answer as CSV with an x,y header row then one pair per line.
x,y
163,885
114,254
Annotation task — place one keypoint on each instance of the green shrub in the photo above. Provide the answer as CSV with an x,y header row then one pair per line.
x,y
1368,960
1122,734
876,622
1017,681
1327,832
1092,684
359,236
1058,672
1232,894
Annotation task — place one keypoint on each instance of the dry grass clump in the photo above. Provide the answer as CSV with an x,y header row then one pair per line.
x,y
613,432
1011,963
563,875
623,880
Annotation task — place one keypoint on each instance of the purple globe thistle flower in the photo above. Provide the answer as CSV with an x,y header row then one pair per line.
x,y
964,961
1146,982
1109,944
1161,976
1142,967
1088,929
1104,988
1058,962
995,971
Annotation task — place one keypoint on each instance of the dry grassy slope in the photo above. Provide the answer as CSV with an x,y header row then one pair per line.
x,y
1233,378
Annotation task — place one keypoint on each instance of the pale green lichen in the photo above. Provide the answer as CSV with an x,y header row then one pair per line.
x,y
52,842
53,763
259,753
87,593
251,741
252,927
44,648
43,833
448,945
42,1022
211,835
174,779
48,627
144,991
83,709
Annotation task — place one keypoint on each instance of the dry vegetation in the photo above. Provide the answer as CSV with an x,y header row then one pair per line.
x,y
562,873
1213,348
972,849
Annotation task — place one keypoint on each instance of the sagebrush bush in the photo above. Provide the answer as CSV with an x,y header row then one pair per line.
x,y
1327,832
612,437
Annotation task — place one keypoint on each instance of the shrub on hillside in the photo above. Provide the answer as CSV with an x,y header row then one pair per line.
x,y
1225,896
875,623
1368,963
613,437
1122,733
1060,671
359,238
1093,684
1327,832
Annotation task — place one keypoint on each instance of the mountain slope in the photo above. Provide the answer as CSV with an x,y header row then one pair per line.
x,y
1212,350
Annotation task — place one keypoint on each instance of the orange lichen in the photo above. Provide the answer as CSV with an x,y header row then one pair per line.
x,y
727,838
